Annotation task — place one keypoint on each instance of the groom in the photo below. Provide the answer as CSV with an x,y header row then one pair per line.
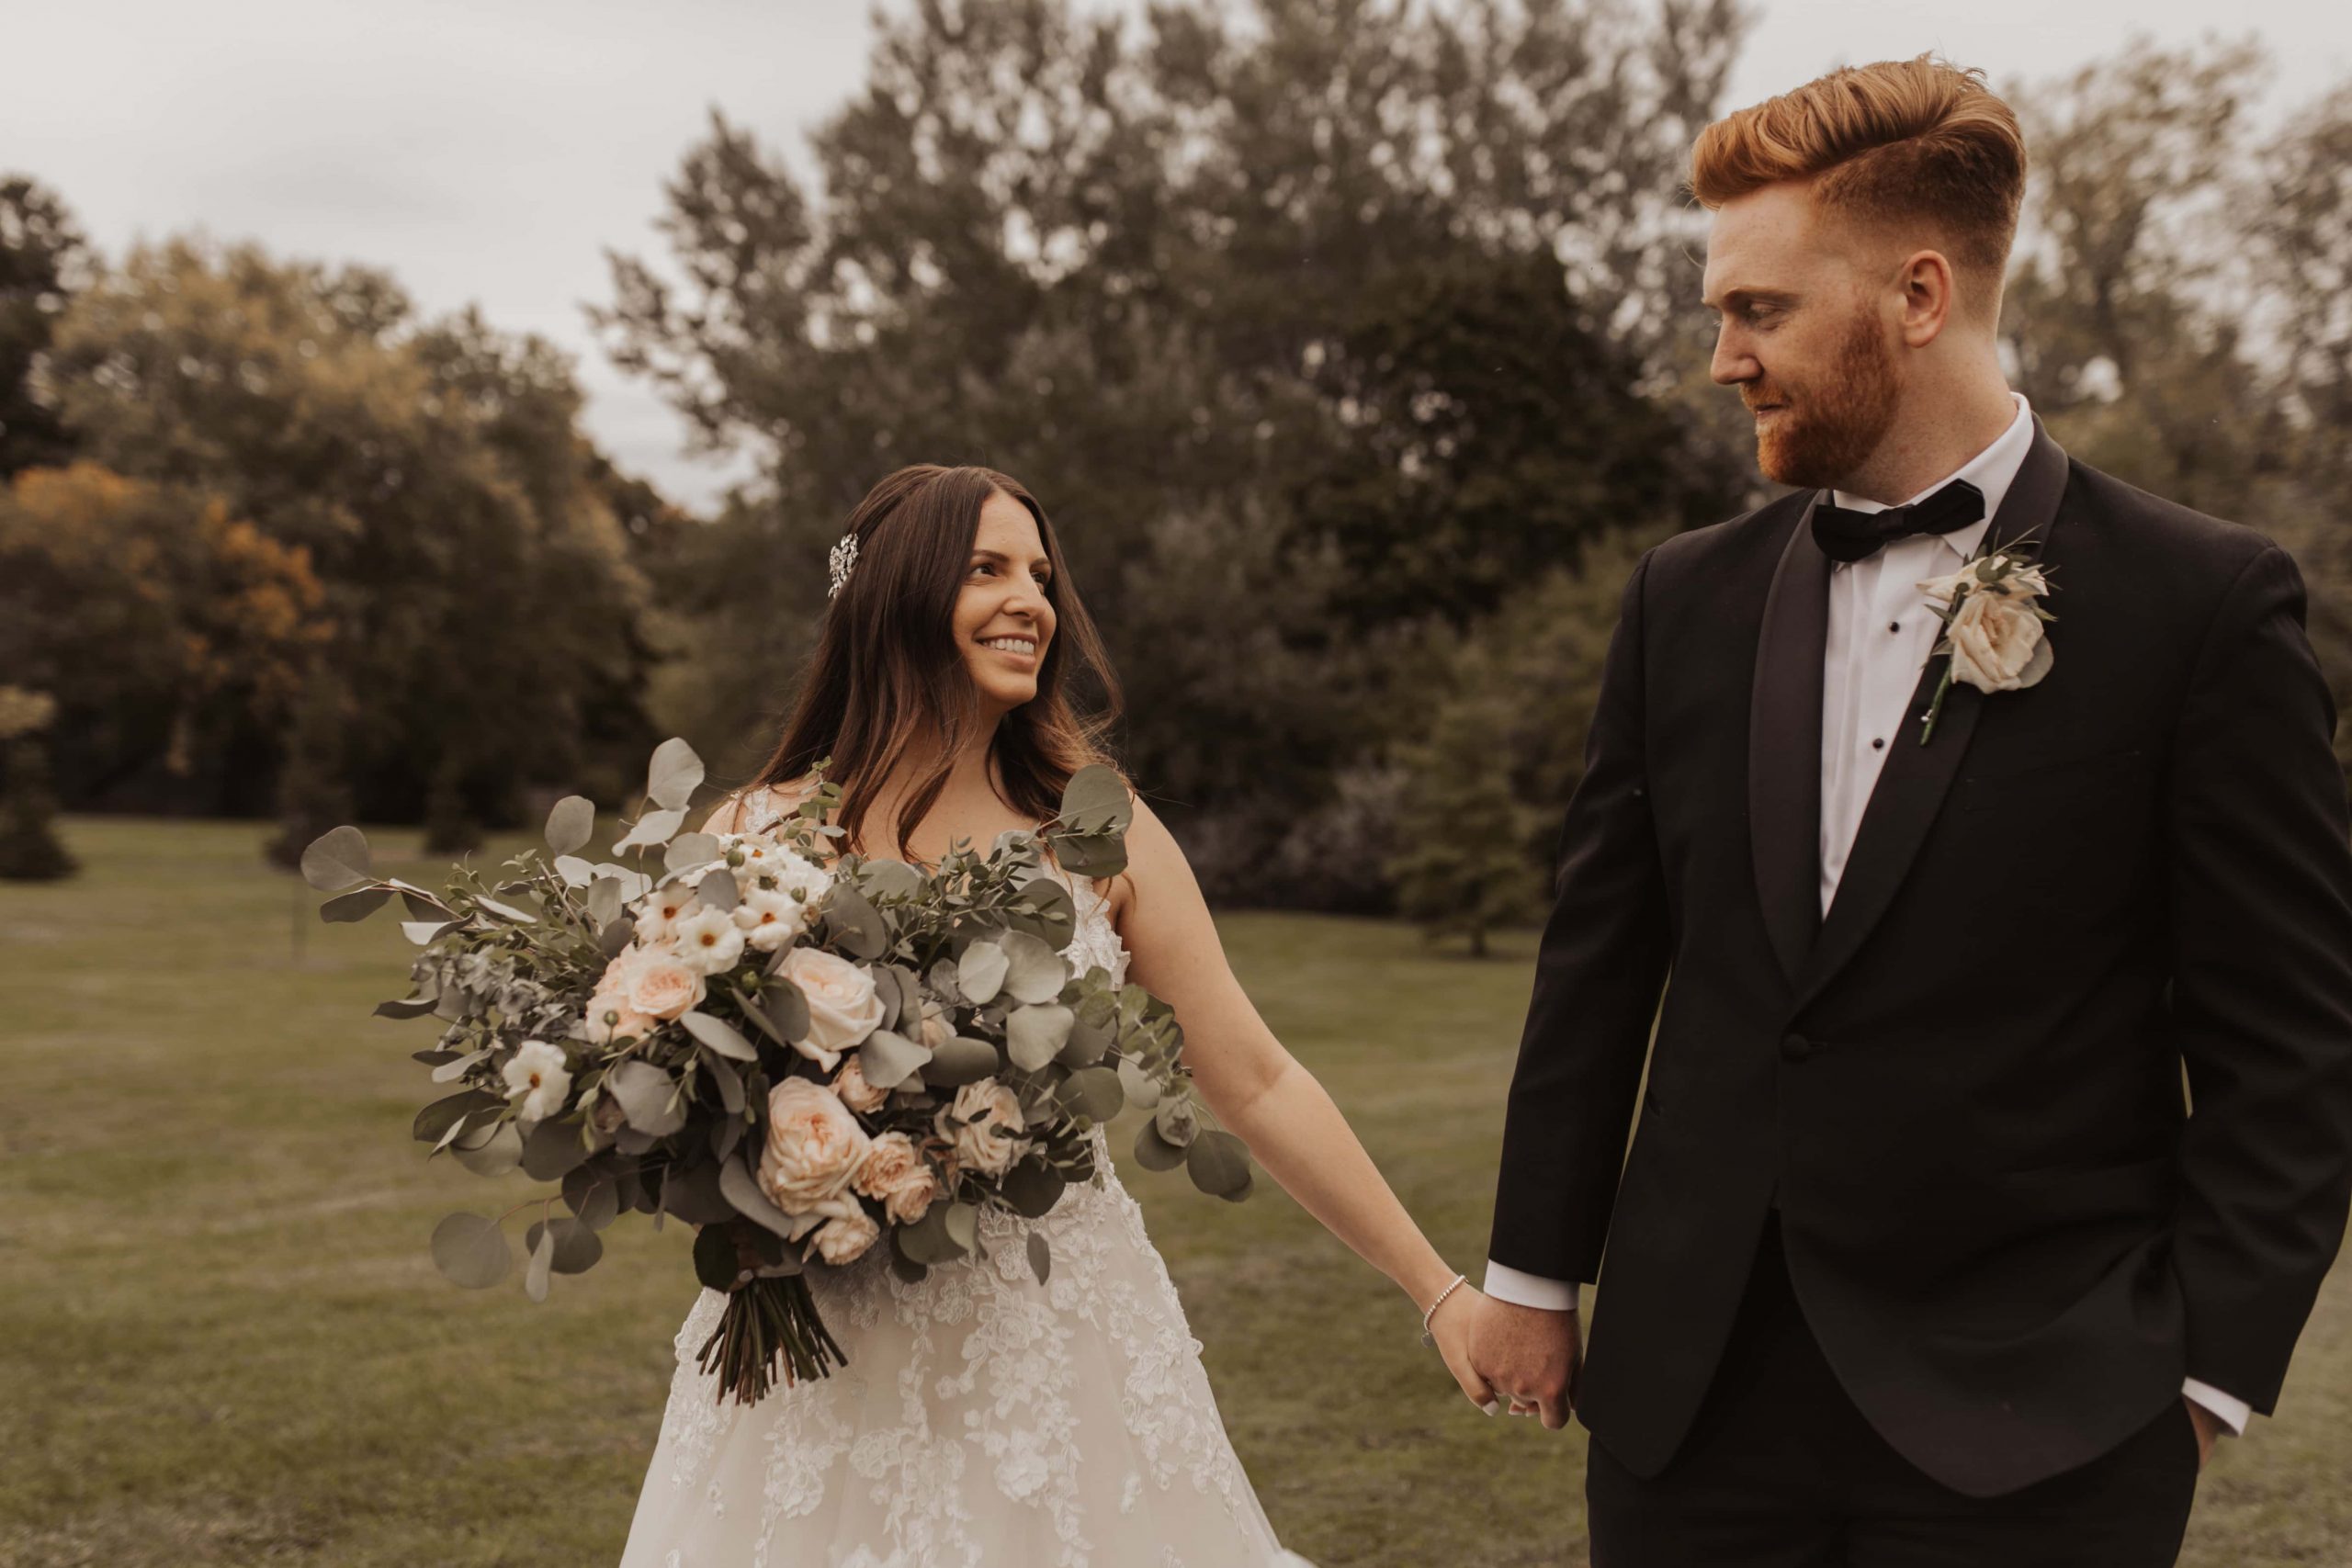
x,y
1919,1256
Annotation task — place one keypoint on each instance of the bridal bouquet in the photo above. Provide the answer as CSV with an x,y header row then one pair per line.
x,y
807,1054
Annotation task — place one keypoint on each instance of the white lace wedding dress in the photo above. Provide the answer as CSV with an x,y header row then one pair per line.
x,y
983,1421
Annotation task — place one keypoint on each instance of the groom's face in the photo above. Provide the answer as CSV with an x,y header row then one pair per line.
x,y
1802,333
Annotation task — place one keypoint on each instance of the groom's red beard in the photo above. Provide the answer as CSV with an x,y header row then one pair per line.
x,y
1826,431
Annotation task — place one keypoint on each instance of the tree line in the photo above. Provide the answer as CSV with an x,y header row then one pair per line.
x,y
1353,348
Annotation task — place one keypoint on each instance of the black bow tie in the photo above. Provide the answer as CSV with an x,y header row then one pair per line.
x,y
1847,535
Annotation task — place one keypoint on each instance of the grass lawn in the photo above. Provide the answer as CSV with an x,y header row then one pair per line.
x,y
221,1340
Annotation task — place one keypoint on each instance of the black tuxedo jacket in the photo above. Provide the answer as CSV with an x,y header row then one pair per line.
x,y
1965,1084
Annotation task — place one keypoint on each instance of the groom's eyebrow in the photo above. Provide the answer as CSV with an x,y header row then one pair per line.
x,y
1741,298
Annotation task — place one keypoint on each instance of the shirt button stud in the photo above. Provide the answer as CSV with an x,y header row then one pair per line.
x,y
1894,626
1879,745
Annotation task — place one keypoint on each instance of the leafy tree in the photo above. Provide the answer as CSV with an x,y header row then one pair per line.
x,y
170,631
43,258
1461,863
29,848
313,793
1143,268
480,586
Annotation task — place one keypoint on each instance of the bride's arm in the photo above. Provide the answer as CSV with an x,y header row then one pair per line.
x,y
1259,1092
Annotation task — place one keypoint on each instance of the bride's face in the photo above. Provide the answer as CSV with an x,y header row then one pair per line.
x,y
1003,624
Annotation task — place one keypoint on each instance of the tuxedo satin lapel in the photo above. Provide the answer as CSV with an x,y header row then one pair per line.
x,y
1784,748
1913,783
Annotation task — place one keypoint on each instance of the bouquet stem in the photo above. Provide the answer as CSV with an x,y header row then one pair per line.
x,y
769,1321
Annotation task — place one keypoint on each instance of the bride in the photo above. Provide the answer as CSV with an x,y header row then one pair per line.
x,y
984,1418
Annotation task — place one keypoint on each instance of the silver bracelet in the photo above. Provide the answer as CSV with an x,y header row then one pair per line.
x,y
1428,1337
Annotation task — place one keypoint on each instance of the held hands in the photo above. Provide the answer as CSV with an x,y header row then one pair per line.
x,y
1522,1355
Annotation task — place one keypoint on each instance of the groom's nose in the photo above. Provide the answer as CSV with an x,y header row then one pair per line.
x,y
1733,365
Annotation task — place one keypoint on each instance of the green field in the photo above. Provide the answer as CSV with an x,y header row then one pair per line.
x,y
221,1340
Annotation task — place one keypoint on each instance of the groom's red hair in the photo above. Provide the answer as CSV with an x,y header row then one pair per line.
x,y
1904,141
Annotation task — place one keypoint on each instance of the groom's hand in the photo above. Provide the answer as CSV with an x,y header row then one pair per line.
x,y
1528,1356
2209,1428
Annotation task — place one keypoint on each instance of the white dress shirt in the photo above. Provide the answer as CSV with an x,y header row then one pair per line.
x,y
1880,635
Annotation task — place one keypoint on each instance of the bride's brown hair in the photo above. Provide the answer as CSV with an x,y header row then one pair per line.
x,y
888,684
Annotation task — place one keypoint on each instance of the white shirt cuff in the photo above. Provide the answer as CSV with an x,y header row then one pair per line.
x,y
2233,1410
1507,1284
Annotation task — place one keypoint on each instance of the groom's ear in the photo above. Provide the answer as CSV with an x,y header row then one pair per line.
x,y
1929,291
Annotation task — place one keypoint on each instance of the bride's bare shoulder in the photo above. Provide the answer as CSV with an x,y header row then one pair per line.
x,y
755,806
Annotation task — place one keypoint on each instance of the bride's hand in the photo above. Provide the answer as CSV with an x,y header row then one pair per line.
x,y
1449,1325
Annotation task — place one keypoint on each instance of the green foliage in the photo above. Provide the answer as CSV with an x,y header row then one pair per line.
x,y
172,633
433,476
29,848
1294,371
311,794
43,258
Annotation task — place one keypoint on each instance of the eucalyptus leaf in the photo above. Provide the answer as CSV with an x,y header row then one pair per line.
x,y
690,849
338,859
675,774
1218,1163
650,830
451,1071
1179,1122
980,972
436,1119
717,890
720,1036
471,1250
592,1196
889,1058
928,1241
964,1225
729,1082
786,1007
960,1061
1095,1093
1034,971
407,1007
648,1097
694,1194
358,904
604,902
575,871
552,1150
854,924
576,1247
736,1182
1091,854
888,878
1033,1188
1153,1152
1096,800
1035,1035
633,883
421,906
520,917
570,823
1041,1256
535,1277
426,932
1142,1088
615,936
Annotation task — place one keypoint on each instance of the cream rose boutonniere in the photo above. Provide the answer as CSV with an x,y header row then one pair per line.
x,y
1993,617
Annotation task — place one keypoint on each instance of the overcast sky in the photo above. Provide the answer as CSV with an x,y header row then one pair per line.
x,y
490,151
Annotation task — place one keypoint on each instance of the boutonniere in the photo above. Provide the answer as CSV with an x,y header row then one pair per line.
x,y
1993,617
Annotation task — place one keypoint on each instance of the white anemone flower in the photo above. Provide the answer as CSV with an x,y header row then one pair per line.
x,y
708,940
538,1074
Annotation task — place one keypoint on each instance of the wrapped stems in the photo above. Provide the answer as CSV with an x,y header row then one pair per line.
x,y
770,1322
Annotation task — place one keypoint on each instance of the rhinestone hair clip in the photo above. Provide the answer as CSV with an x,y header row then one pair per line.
x,y
837,565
